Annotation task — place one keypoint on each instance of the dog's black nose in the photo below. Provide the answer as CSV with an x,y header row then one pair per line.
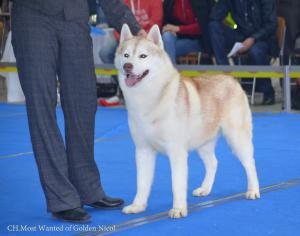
x,y
128,67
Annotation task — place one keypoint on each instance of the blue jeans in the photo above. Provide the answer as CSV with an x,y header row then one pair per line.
x,y
223,39
107,52
176,46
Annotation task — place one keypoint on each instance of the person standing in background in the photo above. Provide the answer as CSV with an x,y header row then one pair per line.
x,y
51,40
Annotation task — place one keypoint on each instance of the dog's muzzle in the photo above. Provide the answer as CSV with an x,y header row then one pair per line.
x,y
132,79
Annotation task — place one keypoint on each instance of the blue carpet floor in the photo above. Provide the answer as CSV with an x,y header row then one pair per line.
x,y
277,154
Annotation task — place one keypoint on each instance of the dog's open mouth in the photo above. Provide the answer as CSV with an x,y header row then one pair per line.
x,y
132,79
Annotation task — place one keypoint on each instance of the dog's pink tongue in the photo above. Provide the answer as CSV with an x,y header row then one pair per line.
x,y
131,80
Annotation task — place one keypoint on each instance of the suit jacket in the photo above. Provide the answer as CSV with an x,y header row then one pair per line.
x,y
116,11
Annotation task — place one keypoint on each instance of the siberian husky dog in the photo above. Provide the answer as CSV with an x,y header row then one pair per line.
x,y
172,114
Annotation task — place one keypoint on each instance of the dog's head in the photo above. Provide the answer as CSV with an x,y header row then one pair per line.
x,y
139,59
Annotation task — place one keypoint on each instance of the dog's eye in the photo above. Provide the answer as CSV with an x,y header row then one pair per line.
x,y
126,55
143,56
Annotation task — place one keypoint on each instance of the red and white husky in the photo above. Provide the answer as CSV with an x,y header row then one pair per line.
x,y
171,114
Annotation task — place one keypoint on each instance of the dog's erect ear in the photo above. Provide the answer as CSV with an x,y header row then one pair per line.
x,y
155,37
125,33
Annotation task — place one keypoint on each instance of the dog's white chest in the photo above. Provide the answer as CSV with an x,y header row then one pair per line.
x,y
150,131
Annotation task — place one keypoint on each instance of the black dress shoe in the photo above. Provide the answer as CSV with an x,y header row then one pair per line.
x,y
107,203
77,215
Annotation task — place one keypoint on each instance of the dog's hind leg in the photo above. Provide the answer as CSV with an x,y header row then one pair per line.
x,y
239,136
145,164
207,154
178,161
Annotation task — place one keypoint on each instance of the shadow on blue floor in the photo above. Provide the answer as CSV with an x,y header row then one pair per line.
x,y
277,149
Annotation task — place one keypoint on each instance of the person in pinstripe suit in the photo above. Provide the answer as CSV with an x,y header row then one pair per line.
x,y
51,41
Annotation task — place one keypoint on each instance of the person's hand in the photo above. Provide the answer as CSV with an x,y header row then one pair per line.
x,y
142,18
248,43
142,33
170,28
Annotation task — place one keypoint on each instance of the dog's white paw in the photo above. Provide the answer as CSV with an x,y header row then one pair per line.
x,y
200,192
178,212
133,209
253,194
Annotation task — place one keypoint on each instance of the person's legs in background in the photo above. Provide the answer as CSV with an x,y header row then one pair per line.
x,y
258,55
176,46
185,46
222,40
107,51
169,40
107,55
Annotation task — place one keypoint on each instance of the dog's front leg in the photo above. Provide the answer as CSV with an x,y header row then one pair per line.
x,y
178,160
145,163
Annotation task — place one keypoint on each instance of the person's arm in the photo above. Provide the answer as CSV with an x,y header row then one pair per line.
x,y
191,30
117,14
269,20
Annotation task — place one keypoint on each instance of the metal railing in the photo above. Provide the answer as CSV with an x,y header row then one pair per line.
x,y
283,72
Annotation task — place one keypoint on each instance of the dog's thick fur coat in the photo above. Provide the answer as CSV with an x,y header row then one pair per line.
x,y
171,114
